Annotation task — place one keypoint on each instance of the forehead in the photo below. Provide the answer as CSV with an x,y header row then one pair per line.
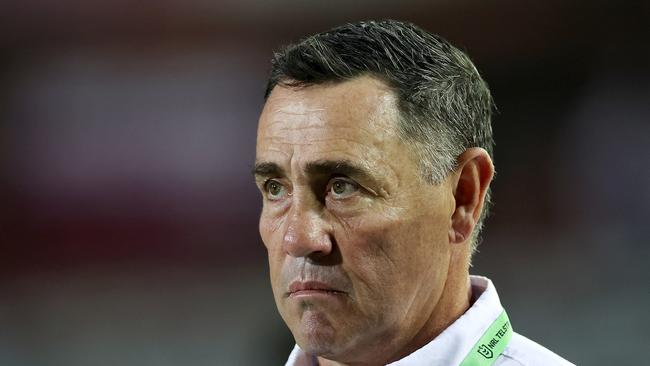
x,y
354,119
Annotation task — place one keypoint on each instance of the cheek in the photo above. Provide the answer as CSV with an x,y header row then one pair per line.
x,y
390,258
269,227
270,233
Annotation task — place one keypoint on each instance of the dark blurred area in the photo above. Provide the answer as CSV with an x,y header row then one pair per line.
x,y
128,215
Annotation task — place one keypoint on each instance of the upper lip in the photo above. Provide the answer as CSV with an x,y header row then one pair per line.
x,y
310,285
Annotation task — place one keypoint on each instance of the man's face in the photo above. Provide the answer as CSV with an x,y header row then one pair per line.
x,y
358,243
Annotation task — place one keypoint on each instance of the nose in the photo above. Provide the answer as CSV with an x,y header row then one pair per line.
x,y
307,234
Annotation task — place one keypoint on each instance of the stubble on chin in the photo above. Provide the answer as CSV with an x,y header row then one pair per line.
x,y
313,331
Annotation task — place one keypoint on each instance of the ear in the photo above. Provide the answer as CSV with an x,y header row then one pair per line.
x,y
472,178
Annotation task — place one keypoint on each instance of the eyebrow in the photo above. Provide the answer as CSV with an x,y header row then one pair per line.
x,y
342,167
267,169
319,167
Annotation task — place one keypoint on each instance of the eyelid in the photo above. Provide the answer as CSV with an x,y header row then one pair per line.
x,y
266,181
345,179
361,186
357,186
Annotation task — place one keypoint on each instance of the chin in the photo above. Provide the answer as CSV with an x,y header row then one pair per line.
x,y
328,348
320,349
316,335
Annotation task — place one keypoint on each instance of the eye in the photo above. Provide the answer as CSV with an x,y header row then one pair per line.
x,y
274,190
341,188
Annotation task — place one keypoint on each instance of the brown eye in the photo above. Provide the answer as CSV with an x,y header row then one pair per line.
x,y
274,189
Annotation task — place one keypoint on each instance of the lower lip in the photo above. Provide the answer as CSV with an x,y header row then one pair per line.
x,y
305,293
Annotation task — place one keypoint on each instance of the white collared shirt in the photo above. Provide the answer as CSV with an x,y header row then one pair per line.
x,y
451,346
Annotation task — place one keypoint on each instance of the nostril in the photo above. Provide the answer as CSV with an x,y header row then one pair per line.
x,y
329,256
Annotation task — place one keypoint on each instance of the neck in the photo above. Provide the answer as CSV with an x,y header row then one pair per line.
x,y
453,303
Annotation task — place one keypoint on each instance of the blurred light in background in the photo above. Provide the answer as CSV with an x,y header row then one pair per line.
x,y
128,216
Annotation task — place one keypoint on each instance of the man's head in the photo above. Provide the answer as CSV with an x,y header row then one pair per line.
x,y
445,106
373,160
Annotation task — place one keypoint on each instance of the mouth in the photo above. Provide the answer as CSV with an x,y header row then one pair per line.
x,y
312,288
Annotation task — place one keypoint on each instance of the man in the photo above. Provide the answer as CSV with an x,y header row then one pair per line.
x,y
373,159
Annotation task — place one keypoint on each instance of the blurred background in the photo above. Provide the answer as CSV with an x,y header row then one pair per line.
x,y
128,215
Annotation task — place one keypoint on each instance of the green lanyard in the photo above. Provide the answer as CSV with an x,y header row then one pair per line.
x,y
492,343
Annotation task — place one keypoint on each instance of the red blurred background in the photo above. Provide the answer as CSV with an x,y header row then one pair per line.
x,y
128,216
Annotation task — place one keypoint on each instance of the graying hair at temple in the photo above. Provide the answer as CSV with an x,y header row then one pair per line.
x,y
445,106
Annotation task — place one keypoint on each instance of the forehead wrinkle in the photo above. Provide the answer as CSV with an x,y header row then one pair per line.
x,y
384,105
294,106
272,149
360,135
310,121
290,109
287,114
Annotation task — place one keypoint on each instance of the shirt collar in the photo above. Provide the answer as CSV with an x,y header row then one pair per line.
x,y
452,345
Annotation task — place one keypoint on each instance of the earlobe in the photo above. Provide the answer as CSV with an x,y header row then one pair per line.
x,y
472,179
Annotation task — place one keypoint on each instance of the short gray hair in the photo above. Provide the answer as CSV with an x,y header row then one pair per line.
x,y
445,106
